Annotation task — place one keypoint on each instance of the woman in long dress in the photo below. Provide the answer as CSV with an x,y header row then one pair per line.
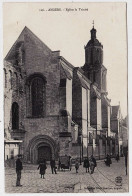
x,y
42,167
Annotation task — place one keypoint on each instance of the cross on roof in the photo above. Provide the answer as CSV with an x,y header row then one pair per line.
x,y
93,23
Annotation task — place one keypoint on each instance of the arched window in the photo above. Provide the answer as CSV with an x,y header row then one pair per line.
x,y
16,80
91,56
37,94
98,56
10,80
5,78
15,116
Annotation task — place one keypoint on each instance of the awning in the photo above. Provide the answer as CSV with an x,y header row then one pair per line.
x,y
12,141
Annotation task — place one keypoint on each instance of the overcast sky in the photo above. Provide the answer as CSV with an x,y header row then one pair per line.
x,y
70,31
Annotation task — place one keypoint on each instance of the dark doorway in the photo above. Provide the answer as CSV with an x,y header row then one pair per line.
x,y
44,152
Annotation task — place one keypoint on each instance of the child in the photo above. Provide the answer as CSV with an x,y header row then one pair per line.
x,y
76,165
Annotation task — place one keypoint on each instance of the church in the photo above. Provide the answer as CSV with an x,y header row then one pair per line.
x,y
52,108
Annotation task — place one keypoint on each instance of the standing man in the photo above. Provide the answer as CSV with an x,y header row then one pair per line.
x,y
93,164
70,162
53,166
19,167
86,164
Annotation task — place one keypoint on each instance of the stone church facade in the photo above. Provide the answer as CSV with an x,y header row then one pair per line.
x,y
54,109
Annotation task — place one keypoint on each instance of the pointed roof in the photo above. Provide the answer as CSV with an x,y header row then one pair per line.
x,y
26,33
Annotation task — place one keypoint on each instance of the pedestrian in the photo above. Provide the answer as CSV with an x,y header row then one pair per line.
x,y
70,163
86,164
19,168
42,167
117,157
108,160
92,163
53,166
76,165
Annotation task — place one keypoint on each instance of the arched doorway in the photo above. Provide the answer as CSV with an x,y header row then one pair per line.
x,y
44,152
41,147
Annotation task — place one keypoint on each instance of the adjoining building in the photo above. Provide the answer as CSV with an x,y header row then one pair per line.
x,y
54,109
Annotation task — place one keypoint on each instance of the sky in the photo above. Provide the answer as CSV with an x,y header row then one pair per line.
x,y
69,32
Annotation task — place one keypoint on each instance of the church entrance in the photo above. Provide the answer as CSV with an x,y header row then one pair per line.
x,y
41,147
44,152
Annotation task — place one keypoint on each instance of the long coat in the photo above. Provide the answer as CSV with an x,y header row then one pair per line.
x,y
86,163
52,163
76,165
42,167
19,166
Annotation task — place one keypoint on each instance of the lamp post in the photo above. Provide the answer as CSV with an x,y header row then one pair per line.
x,y
80,149
87,136
87,123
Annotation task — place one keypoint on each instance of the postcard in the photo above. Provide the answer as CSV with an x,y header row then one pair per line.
x,y
65,78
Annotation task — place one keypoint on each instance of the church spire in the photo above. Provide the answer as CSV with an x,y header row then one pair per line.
x,y
93,23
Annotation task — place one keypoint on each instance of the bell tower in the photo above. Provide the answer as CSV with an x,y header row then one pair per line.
x,y
94,69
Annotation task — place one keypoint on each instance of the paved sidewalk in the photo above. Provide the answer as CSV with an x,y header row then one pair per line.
x,y
103,180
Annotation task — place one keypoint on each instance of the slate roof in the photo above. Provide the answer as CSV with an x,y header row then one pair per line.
x,y
94,42
26,32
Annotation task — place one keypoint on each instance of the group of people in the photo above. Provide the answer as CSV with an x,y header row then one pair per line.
x,y
89,164
108,161
42,168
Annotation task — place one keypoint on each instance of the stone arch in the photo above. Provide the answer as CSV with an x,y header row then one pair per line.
x,y
36,95
38,141
36,74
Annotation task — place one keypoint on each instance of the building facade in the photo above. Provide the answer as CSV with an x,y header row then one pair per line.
x,y
54,109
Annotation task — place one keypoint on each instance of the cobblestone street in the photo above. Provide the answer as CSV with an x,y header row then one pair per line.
x,y
103,180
